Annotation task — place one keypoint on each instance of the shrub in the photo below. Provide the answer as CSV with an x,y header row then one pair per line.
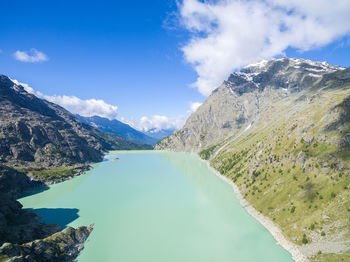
x,y
323,233
304,240
292,210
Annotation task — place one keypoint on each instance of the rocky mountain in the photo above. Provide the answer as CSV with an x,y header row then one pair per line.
x,y
42,143
119,128
35,132
244,97
280,131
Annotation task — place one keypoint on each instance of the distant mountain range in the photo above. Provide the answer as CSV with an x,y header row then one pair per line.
x,y
117,127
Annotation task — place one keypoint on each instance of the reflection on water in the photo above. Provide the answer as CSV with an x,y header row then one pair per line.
x,y
60,216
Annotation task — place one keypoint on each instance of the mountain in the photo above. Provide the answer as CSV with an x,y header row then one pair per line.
x,y
37,133
241,100
159,134
42,143
119,128
280,130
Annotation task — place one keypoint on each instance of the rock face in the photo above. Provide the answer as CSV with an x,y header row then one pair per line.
x,y
36,132
242,100
18,225
22,236
63,246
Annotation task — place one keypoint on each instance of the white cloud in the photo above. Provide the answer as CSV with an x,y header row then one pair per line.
x,y
194,106
89,107
158,122
25,86
95,107
31,56
229,34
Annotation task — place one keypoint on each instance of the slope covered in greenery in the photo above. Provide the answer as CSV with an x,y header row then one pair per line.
x,y
293,166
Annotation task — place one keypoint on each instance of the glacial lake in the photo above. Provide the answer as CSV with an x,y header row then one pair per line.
x,y
156,207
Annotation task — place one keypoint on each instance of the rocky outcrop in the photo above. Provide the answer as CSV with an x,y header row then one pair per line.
x,y
18,225
22,236
242,100
35,132
63,246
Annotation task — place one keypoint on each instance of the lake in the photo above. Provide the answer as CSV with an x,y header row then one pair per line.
x,y
157,207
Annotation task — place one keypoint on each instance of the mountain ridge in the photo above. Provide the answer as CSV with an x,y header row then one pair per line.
x,y
119,128
241,97
38,133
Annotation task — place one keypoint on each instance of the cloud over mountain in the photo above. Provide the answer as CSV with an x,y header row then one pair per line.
x,y
159,122
194,106
229,34
156,122
98,107
87,108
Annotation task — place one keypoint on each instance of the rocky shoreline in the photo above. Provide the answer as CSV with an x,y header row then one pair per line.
x,y
63,246
274,230
22,236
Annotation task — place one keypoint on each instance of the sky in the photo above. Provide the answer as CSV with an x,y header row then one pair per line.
x,y
152,63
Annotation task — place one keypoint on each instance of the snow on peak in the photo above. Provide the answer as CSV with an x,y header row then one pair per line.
x,y
260,64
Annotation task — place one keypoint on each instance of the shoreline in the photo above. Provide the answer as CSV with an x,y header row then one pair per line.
x,y
266,222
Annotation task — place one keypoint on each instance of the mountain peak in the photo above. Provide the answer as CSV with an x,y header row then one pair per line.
x,y
264,65
249,94
287,73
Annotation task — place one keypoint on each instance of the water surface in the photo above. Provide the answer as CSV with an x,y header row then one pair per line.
x,y
157,207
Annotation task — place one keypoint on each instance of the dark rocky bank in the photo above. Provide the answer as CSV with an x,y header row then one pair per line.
x,y
22,236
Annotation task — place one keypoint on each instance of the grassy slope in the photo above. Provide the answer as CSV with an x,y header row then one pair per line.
x,y
292,169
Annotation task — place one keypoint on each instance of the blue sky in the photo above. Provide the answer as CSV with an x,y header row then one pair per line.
x,y
124,53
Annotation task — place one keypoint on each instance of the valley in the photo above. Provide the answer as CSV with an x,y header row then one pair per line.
x,y
278,130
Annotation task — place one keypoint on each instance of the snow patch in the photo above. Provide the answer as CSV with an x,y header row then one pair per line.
x,y
314,75
259,64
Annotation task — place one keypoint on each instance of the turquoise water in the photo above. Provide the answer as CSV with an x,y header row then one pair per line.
x,y
157,207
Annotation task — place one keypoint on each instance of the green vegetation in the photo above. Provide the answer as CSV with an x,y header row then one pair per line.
x,y
332,257
296,170
304,241
54,174
206,153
